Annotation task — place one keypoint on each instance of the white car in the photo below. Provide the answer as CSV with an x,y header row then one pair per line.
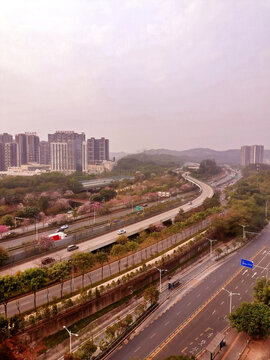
x,y
190,203
120,232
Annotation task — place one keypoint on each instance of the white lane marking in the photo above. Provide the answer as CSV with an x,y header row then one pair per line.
x,y
254,274
213,312
246,291
188,303
151,337
222,303
236,287
166,323
244,272
242,281
179,312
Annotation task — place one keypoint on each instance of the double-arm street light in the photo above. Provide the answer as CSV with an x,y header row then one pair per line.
x,y
70,335
161,271
211,242
230,295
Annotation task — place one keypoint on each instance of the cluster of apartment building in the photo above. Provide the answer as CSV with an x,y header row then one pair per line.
x,y
252,154
65,151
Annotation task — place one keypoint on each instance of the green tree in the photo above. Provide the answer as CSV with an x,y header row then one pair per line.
x,y
218,252
59,272
101,258
83,261
3,255
7,220
151,294
132,246
87,350
118,251
122,239
253,319
16,324
44,203
33,279
262,291
9,287
3,328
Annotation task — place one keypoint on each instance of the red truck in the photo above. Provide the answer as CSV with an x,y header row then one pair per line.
x,y
57,236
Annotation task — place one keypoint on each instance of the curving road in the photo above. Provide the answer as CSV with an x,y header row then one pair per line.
x,y
109,238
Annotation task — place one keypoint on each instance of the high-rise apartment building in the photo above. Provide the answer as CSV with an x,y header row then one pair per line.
x,y
245,155
44,152
21,141
74,150
2,157
62,156
252,154
11,155
6,138
97,150
32,148
256,154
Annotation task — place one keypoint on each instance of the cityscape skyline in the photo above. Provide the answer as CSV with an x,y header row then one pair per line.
x,y
65,151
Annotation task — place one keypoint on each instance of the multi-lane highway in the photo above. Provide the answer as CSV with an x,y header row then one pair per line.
x,y
192,318
109,238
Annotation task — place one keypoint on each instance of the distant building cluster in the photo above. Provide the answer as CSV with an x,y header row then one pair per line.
x,y
65,151
252,154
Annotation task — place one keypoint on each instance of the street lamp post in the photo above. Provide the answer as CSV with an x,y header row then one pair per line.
x,y
132,204
160,273
211,242
36,228
244,232
70,335
230,295
94,215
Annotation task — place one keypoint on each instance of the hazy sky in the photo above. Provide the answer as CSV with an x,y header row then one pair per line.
x,y
146,74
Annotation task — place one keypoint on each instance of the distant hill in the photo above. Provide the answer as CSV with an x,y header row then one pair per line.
x,y
118,155
231,157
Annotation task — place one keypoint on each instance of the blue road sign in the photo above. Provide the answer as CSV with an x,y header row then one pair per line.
x,y
247,263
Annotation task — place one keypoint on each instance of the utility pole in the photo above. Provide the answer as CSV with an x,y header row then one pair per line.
x,y
266,209
211,242
230,295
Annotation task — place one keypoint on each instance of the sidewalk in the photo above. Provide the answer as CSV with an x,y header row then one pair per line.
x,y
240,347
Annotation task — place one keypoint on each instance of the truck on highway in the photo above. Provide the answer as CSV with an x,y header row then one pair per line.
x,y
57,236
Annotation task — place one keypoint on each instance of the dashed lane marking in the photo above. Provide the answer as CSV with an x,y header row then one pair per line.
x,y
185,323
184,349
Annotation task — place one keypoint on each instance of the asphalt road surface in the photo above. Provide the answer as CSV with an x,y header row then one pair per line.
x,y
43,296
109,238
193,315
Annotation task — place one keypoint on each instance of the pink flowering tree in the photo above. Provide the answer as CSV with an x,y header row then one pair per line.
x,y
68,193
85,208
62,204
45,243
3,229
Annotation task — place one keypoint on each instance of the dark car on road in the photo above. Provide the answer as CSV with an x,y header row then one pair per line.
x,y
47,260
